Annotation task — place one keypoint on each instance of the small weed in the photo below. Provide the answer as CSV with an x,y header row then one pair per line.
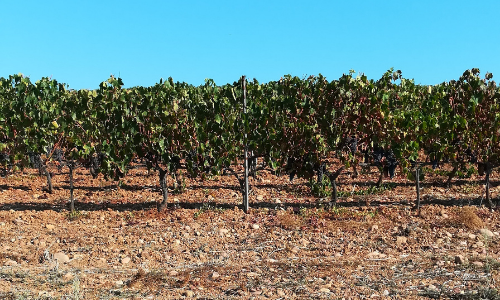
x,y
8,275
342,213
372,190
320,189
372,213
439,172
336,210
481,293
77,293
491,264
467,188
207,207
75,215
129,216
20,296
303,211
463,173
323,189
16,178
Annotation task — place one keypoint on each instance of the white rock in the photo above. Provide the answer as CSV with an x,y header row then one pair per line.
x,y
304,242
486,233
118,283
68,276
223,231
460,259
10,263
18,222
215,275
61,257
374,227
50,226
324,290
125,260
255,226
400,240
374,254
188,293
478,264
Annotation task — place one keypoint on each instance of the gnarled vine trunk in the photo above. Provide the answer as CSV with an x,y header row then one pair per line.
x,y
164,188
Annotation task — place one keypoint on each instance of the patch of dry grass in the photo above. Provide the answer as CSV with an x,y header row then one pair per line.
x,y
155,280
468,218
289,220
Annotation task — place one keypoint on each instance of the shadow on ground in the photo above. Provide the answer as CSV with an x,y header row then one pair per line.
x,y
86,206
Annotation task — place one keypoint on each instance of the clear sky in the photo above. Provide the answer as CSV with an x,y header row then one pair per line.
x,y
83,42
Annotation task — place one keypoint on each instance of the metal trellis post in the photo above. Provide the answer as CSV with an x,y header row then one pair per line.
x,y
245,192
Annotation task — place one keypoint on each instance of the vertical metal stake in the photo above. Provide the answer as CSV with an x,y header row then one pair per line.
x,y
417,183
245,192
488,199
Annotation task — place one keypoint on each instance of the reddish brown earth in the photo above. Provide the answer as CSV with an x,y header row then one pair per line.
x,y
117,246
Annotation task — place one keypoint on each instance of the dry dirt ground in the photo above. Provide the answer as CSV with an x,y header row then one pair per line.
x,y
289,246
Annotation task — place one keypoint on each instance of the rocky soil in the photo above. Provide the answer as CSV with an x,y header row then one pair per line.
x,y
290,245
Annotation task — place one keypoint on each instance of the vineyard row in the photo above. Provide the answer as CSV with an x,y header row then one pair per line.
x,y
292,125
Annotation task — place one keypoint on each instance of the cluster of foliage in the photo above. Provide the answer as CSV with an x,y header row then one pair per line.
x,y
292,125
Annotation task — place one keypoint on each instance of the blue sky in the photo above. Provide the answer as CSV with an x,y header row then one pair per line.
x,y
83,42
